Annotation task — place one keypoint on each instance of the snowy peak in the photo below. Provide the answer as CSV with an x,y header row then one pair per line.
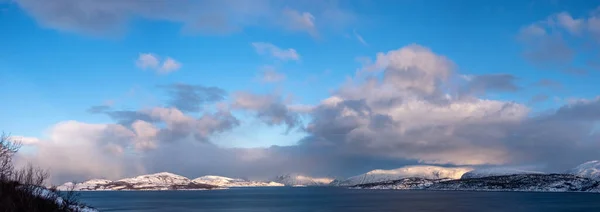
x,y
301,180
590,169
423,171
496,171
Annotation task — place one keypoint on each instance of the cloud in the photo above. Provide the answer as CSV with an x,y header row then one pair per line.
x,y
548,83
276,52
360,38
300,21
491,82
566,21
410,119
270,75
190,98
149,61
27,141
555,43
211,17
539,98
269,108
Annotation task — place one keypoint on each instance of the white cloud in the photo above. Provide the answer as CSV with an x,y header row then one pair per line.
x,y
169,65
276,52
150,61
27,141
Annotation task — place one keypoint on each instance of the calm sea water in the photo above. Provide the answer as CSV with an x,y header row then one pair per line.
x,y
336,199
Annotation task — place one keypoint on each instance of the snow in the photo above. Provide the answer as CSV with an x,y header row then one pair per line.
x,y
590,169
496,171
423,171
232,182
301,180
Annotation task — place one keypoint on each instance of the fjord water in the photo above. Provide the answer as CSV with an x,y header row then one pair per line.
x,y
336,199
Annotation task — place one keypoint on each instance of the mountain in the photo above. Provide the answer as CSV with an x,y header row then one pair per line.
x,y
517,182
94,184
425,172
590,169
497,171
232,182
163,181
300,180
522,182
412,183
158,181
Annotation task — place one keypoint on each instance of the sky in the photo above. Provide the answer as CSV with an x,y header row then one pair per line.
x,y
259,88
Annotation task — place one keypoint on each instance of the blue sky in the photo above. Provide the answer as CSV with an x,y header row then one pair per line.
x,y
55,65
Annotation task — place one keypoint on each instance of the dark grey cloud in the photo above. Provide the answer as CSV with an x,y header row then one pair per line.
x,y
269,108
491,82
538,98
190,98
99,109
548,83
561,40
109,17
124,117
549,52
102,17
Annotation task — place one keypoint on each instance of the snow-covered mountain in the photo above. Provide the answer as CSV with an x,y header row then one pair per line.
x,y
94,184
425,172
590,169
300,180
232,182
496,171
163,181
522,182
158,181
154,180
413,183
517,182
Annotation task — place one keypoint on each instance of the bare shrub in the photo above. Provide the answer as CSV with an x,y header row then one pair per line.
x,y
8,148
